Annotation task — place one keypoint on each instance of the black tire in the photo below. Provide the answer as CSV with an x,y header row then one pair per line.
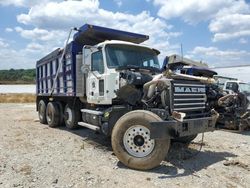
x,y
122,127
53,114
42,112
71,117
185,139
61,113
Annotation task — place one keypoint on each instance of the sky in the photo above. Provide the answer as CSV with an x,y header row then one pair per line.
x,y
213,31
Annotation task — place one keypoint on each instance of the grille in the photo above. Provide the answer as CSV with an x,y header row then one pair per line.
x,y
189,96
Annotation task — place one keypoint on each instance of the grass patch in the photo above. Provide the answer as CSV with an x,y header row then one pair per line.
x,y
17,98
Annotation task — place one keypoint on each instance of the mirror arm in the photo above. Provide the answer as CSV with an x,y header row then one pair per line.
x,y
98,78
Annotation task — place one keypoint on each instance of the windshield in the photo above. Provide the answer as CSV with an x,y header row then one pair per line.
x,y
119,56
244,87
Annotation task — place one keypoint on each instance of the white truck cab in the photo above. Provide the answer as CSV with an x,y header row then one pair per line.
x,y
102,64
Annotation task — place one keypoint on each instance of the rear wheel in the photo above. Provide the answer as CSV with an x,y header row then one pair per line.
x,y
71,117
61,113
53,114
42,112
186,139
132,144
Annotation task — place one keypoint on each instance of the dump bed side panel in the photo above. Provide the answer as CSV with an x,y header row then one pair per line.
x,y
47,67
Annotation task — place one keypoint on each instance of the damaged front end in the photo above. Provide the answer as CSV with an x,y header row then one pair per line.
x,y
184,97
175,128
234,112
179,100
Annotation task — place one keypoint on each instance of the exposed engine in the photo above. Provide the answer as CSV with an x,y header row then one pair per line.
x,y
231,107
166,94
131,84
187,95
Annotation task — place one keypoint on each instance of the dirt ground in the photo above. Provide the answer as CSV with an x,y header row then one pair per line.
x,y
34,155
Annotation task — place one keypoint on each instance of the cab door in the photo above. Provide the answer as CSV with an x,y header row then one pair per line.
x,y
95,78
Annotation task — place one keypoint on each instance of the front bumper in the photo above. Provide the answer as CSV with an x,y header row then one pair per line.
x,y
175,129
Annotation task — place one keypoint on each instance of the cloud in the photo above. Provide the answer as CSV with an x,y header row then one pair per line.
x,y
232,22
214,51
32,47
46,24
40,34
230,35
8,30
3,43
22,58
58,16
191,11
34,34
216,57
243,41
230,26
118,3
228,19
11,58
23,3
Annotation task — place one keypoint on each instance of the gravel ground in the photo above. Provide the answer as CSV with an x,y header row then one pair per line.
x,y
34,155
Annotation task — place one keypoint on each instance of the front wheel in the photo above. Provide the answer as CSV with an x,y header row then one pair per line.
x,y
132,144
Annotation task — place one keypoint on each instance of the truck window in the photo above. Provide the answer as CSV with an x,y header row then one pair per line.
x,y
244,88
119,55
150,63
230,85
97,62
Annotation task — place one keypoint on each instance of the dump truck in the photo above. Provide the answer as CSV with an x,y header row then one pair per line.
x,y
107,81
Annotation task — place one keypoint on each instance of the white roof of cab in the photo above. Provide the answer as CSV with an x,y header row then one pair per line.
x,y
102,44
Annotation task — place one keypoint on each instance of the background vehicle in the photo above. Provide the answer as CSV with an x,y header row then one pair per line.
x,y
221,80
107,81
242,87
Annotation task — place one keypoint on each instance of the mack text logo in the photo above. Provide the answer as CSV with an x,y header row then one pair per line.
x,y
190,90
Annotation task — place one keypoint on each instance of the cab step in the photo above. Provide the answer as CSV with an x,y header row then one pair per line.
x,y
90,126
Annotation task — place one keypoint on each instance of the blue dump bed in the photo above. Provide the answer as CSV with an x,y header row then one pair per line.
x,y
92,35
46,67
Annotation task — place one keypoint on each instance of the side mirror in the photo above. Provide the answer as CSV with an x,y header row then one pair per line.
x,y
85,69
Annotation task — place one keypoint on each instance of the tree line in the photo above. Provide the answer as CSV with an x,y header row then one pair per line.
x,y
17,76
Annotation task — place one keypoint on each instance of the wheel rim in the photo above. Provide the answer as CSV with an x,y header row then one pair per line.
x,y
68,115
137,141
